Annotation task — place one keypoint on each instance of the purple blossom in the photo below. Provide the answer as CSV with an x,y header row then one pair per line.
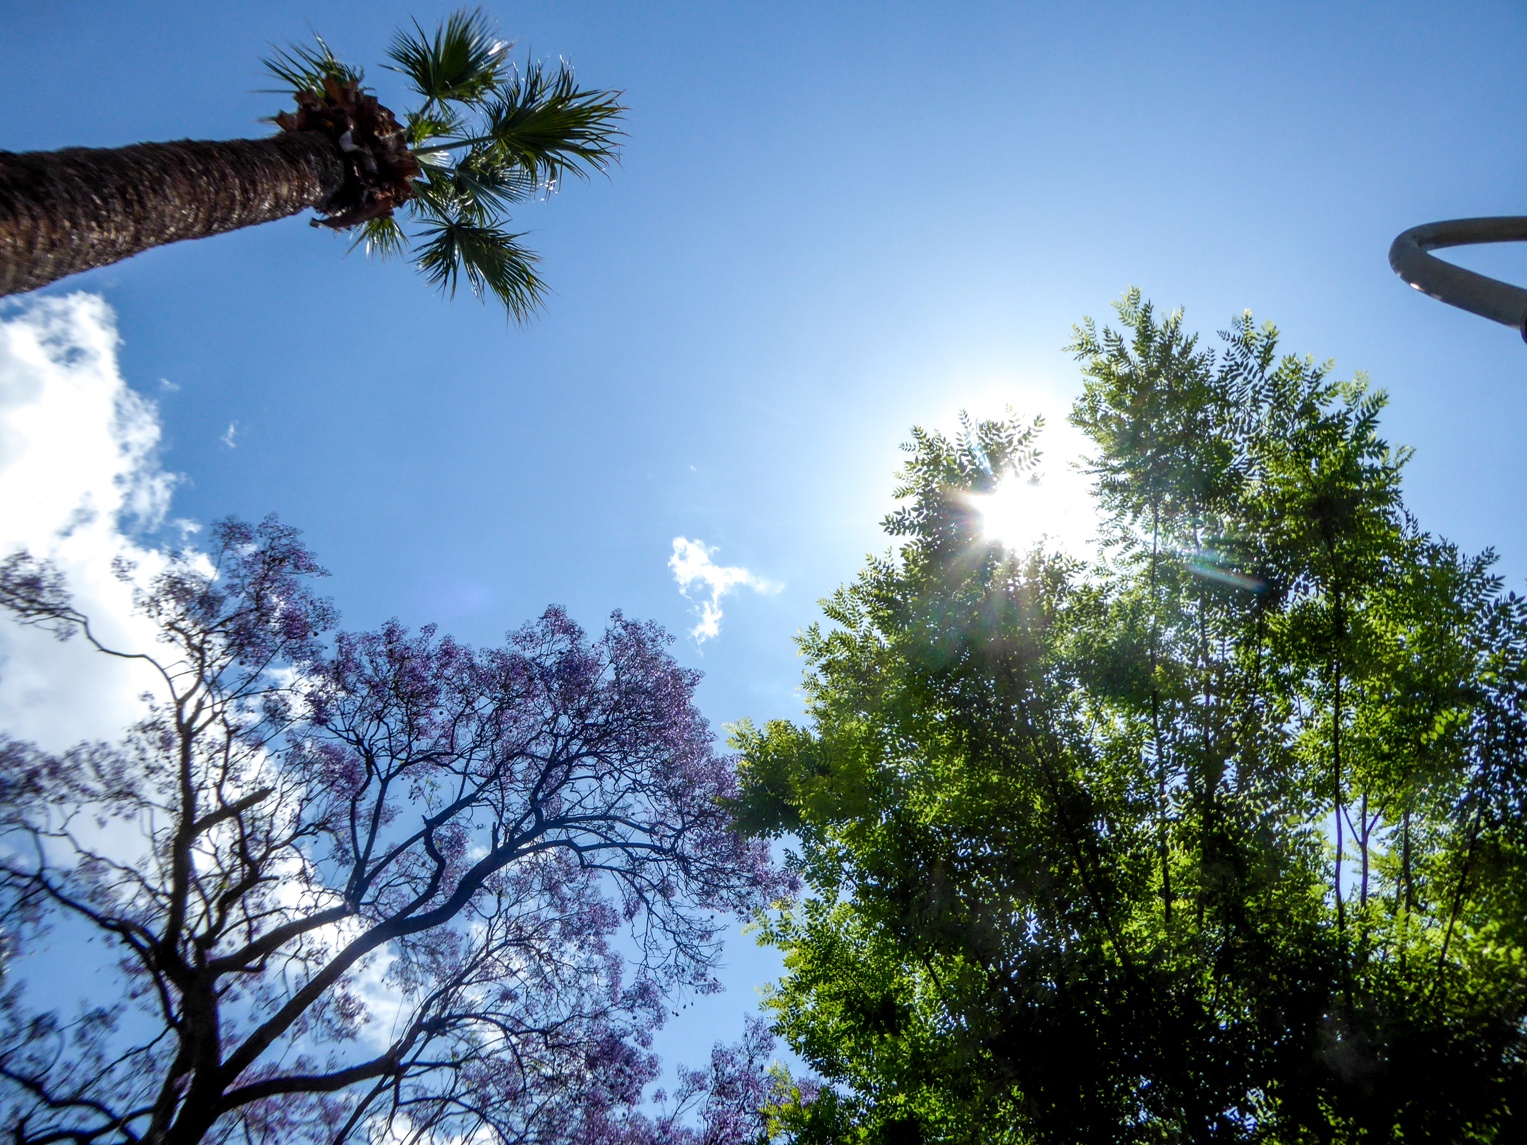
x,y
728,1103
386,884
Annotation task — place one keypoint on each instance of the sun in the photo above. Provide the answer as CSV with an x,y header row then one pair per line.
x,y
1007,513
1023,511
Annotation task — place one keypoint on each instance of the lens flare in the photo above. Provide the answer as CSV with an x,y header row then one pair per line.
x,y
1019,514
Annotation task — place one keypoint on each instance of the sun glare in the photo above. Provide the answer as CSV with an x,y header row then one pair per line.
x,y
1024,511
1010,513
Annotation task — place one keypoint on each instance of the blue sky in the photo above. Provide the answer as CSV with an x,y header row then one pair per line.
x,y
832,221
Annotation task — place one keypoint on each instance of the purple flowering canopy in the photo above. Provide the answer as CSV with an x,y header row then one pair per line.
x,y
378,886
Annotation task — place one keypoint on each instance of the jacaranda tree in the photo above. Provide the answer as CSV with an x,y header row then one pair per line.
x,y
379,886
1221,836
483,136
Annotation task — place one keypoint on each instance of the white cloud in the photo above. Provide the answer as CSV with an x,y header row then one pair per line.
x,y
229,434
79,479
705,582
80,482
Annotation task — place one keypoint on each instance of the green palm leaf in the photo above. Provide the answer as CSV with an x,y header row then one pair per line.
x,y
434,121
490,183
488,135
492,259
549,126
381,238
301,68
463,62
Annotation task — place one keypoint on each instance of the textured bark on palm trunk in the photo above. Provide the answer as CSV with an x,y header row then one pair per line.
x,y
62,212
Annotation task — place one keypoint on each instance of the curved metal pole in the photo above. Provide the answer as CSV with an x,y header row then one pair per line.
x,y
1476,293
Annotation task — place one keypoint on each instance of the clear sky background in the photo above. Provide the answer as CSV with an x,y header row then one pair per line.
x,y
833,221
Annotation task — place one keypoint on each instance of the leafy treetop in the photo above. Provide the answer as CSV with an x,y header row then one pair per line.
x,y
488,134
1217,837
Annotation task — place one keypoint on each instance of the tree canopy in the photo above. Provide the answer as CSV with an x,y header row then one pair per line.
x,y
1216,837
376,886
484,134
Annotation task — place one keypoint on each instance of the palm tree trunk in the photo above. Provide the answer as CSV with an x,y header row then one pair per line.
x,y
62,212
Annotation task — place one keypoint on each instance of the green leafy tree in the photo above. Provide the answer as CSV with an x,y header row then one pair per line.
x,y
1216,837
486,135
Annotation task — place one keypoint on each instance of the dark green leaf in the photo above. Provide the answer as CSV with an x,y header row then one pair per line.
x,y
464,61
437,122
549,126
490,184
301,68
491,258
382,238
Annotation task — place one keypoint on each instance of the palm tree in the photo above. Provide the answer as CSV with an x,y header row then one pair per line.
x,y
487,135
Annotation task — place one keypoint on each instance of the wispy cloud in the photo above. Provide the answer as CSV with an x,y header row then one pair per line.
x,y
229,435
704,582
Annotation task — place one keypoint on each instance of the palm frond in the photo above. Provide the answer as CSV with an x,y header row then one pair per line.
x,y
488,135
464,61
433,122
380,238
548,125
483,177
438,198
479,189
492,259
301,68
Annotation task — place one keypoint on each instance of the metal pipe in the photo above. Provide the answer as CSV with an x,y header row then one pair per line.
x,y
1476,293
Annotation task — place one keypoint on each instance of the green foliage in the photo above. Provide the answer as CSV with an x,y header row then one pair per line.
x,y
542,123
1216,838
301,68
463,62
493,261
488,135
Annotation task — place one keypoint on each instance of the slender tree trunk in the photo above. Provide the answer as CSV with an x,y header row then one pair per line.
x,y
62,212
1475,793
1362,844
1405,877
1206,787
1161,806
1336,672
